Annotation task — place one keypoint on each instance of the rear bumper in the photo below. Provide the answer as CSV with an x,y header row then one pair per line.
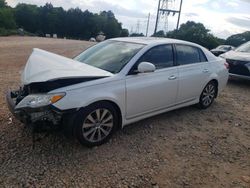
x,y
239,69
239,76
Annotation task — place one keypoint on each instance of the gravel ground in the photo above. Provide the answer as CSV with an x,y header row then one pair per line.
x,y
183,148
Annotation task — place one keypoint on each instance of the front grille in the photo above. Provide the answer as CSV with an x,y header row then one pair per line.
x,y
238,67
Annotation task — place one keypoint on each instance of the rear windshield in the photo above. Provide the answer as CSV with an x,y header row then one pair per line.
x,y
244,48
224,48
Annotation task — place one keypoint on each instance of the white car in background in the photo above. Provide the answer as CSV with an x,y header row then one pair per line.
x,y
115,83
239,61
222,49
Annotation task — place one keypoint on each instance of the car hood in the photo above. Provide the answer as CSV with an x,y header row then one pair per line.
x,y
234,55
44,66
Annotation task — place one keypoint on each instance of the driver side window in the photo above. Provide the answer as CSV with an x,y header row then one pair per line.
x,y
161,56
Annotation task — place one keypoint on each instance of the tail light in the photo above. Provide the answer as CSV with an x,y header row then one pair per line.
x,y
226,65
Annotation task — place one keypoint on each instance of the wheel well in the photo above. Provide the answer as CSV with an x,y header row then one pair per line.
x,y
216,84
117,108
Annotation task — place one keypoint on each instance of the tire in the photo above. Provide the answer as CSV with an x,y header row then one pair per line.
x,y
95,124
208,95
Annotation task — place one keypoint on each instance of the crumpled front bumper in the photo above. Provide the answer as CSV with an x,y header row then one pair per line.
x,y
12,104
32,115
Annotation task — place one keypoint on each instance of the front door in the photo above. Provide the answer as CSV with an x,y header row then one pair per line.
x,y
148,92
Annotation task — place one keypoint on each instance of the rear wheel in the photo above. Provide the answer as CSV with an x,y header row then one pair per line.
x,y
95,124
208,95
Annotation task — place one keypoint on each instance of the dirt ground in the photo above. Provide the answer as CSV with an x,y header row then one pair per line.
x,y
183,148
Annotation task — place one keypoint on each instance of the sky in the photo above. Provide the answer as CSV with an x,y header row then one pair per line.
x,y
222,17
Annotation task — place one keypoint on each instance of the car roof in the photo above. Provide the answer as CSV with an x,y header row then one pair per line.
x,y
158,41
152,40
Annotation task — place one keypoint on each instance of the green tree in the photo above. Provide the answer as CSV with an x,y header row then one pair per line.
x,y
7,20
197,33
124,33
238,39
73,23
3,4
112,28
137,35
27,17
160,33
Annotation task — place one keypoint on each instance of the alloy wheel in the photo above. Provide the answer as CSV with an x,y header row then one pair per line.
x,y
97,125
208,94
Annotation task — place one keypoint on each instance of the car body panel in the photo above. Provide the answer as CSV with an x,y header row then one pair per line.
x,y
191,79
217,72
43,66
234,55
143,89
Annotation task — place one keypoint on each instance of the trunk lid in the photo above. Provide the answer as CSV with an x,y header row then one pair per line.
x,y
44,66
240,56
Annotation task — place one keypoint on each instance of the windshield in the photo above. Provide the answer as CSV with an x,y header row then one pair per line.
x,y
244,48
109,55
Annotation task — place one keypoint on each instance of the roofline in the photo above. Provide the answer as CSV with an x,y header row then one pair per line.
x,y
154,41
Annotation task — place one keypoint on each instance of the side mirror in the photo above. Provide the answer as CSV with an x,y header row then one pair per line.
x,y
146,67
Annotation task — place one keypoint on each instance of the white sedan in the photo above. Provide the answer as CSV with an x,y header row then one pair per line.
x,y
115,83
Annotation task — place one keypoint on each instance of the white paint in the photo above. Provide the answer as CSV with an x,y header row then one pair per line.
x,y
146,94
234,55
43,66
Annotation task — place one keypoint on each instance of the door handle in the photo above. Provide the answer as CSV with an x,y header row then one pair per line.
x,y
205,71
173,77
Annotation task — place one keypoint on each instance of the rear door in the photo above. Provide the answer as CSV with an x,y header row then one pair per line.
x,y
193,72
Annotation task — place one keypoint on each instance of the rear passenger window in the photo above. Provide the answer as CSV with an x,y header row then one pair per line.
x,y
203,58
160,56
188,55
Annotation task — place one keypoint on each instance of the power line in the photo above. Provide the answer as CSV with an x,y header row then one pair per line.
x,y
138,26
165,8
147,24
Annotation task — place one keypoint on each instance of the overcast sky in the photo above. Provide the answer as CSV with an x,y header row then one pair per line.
x,y
222,17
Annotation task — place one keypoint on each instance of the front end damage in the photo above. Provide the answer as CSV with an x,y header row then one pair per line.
x,y
27,104
44,119
31,115
44,73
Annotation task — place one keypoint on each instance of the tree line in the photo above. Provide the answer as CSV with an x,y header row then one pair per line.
x,y
72,23
77,24
198,33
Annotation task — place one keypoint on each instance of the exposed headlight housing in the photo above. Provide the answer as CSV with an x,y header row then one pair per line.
x,y
39,100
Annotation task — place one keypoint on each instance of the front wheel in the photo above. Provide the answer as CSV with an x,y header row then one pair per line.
x,y
95,124
208,95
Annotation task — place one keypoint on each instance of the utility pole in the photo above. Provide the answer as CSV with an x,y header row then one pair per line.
x,y
138,26
178,22
147,24
131,30
157,17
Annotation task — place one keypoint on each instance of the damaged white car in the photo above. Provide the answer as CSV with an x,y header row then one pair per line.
x,y
115,83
